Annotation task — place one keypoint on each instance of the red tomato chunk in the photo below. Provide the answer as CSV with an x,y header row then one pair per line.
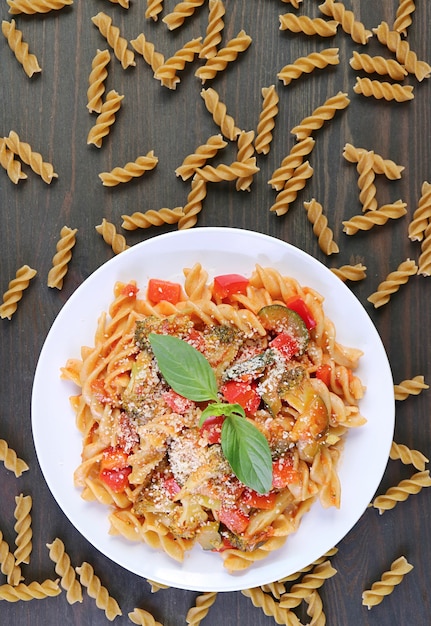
x,y
243,393
229,284
159,290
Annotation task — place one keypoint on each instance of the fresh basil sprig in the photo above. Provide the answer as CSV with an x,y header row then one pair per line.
x,y
188,372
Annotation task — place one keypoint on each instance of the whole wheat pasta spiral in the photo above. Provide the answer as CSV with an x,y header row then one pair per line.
x,y
233,171
30,157
133,169
22,527
202,606
385,586
347,20
112,35
266,123
10,164
224,56
142,618
424,261
307,25
389,168
69,582
30,7
8,566
270,607
245,152
33,591
377,65
320,227
217,109
410,387
310,582
105,119
213,34
15,290
145,48
403,18
111,237
154,7
350,272
403,53
194,204
294,159
97,591
309,63
408,456
382,90
152,217
205,151
377,217
421,215
400,493
393,282
96,80
366,177
10,459
14,38
289,193
181,11
275,588
321,115
167,72
315,609
122,3
62,257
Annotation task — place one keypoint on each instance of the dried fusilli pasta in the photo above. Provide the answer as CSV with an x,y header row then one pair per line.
x,y
350,272
10,164
308,25
10,459
410,387
315,609
424,260
122,3
403,53
30,157
403,17
305,65
320,227
377,65
97,591
245,152
145,48
376,217
112,35
400,493
289,193
30,7
366,177
14,38
154,7
310,582
22,527
96,80
194,204
233,171
408,456
8,566
167,72
111,237
63,568
181,11
62,257
225,122
383,90
133,169
15,290
105,119
393,282
224,56
202,605
33,591
294,159
320,115
389,168
421,215
213,35
347,20
206,151
152,217
385,586
270,607
143,618
266,124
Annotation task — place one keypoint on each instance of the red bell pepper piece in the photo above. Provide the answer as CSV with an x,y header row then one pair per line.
x,y
286,344
233,518
257,500
298,305
211,428
283,472
116,479
243,393
159,290
129,290
229,284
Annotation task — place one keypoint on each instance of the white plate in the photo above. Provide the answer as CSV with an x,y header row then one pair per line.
x,y
219,250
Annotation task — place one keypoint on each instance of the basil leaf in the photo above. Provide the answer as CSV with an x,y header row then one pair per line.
x,y
221,408
184,368
247,452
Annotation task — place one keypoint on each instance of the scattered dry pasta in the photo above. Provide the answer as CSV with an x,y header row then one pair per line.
x,y
200,156
143,618
310,582
30,7
69,582
383,90
10,164
145,48
224,56
389,168
350,272
424,261
225,122
15,290
96,80
8,566
33,591
194,204
410,387
307,25
154,7
245,151
305,65
421,215
22,527
347,20
289,193
393,282
133,169
320,115
202,606
152,218
385,586
400,493
105,119
213,35
377,217
408,456
377,65
366,177
181,11
14,38
403,17
223,172
294,159
403,54
97,591
315,609
25,152
167,72
122,3
270,607
10,459
111,237
112,35
266,123
62,257
320,227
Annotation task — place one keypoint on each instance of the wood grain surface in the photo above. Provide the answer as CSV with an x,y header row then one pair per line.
x,y
49,112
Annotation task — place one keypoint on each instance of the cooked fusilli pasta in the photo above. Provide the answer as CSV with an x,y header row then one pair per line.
x,y
377,65
22,527
15,290
347,20
294,159
10,164
408,456
225,122
213,35
385,586
383,90
393,282
30,7
97,591
421,215
181,11
32,591
206,151
403,18
167,72
96,80
105,119
266,123
26,153
133,169
376,217
143,618
400,493
403,53
321,229
307,64
112,35
152,217
410,387
8,566
224,56
62,257
289,193
63,567
145,48
307,25
350,272
14,38
202,606
321,115
111,237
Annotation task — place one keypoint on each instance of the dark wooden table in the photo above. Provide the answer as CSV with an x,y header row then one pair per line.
x,y
49,112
